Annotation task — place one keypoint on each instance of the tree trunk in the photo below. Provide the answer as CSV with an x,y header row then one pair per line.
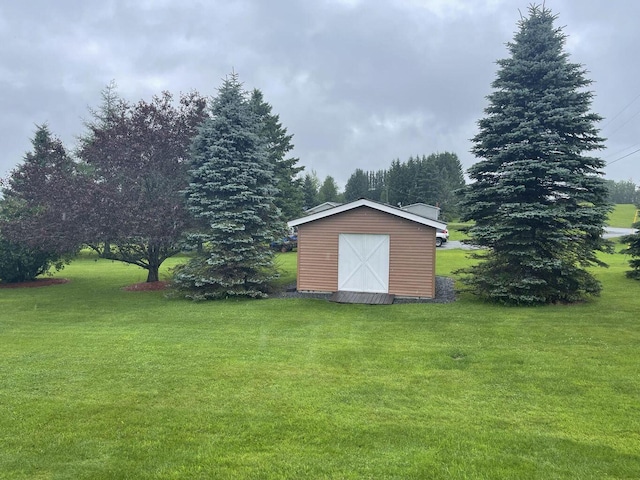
x,y
153,275
154,263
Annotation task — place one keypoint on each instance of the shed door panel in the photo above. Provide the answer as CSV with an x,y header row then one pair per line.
x,y
363,263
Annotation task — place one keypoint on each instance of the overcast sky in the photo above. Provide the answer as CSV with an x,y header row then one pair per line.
x,y
358,83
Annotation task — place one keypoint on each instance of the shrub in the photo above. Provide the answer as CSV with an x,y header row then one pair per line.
x,y
20,263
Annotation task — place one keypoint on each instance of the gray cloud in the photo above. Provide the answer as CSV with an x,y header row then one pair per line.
x,y
358,83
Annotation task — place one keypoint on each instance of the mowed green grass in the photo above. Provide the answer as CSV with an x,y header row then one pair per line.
x,y
101,383
622,215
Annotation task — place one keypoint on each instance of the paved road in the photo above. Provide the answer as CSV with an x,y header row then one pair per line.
x,y
609,232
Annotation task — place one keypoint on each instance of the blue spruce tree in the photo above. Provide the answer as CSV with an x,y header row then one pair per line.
x,y
538,198
231,197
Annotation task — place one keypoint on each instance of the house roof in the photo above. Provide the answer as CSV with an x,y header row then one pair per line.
x,y
419,204
371,204
321,207
423,209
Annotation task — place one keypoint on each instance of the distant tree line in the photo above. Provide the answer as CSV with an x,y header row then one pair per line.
x,y
432,179
625,191
315,192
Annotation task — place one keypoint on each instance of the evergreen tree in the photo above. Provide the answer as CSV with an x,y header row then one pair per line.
x,y
310,186
378,186
108,111
40,198
289,198
633,249
22,263
36,212
357,186
440,178
231,193
329,191
411,174
539,203
396,187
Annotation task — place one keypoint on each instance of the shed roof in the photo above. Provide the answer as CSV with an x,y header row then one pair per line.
x,y
381,207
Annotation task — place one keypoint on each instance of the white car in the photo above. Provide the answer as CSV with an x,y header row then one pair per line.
x,y
442,235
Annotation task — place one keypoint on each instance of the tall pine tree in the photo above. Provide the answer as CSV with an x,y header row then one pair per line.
x,y
231,195
289,198
357,186
42,195
310,186
329,191
537,199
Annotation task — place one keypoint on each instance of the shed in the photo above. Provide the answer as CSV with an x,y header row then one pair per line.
x,y
366,246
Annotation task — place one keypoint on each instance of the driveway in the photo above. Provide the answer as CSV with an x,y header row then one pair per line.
x,y
451,244
612,232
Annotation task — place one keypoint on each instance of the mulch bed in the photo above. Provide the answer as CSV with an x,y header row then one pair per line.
x,y
40,282
45,282
146,286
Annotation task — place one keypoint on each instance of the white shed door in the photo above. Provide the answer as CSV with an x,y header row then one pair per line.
x,y
363,263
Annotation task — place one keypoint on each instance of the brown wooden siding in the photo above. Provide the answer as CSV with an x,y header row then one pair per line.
x,y
411,251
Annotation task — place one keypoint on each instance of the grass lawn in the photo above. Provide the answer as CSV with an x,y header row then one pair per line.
x,y
457,230
101,383
622,215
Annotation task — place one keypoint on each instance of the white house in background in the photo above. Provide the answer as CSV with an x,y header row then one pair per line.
x,y
424,210
322,207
